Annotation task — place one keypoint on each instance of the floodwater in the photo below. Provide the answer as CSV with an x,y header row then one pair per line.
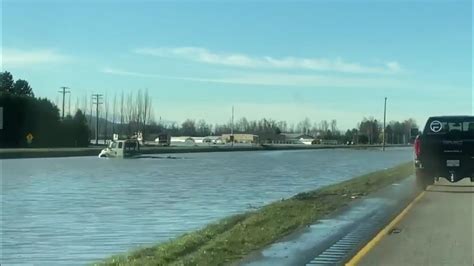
x,y
74,211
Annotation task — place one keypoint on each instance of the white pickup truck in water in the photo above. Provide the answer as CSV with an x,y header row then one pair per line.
x,y
121,149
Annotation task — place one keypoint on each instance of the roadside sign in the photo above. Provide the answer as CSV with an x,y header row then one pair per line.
x,y
29,138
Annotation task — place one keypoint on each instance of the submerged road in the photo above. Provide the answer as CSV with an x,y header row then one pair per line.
x,y
79,210
438,230
17,153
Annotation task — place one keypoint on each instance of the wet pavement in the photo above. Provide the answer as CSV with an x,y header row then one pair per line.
x,y
335,239
438,230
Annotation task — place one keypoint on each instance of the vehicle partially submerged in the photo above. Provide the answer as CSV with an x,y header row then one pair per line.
x,y
128,148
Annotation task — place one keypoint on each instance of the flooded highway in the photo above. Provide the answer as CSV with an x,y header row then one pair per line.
x,y
79,210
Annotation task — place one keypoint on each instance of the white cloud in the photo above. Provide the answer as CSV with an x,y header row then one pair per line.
x,y
203,55
19,58
297,108
114,71
272,79
393,66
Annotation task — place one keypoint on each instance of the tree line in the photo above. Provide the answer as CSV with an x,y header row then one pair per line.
x,y
123,114
367,131
127,114
25,115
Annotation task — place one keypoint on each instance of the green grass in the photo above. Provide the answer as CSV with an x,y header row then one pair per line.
x,y
232,238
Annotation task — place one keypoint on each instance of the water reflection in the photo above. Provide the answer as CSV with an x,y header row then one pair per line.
x,y
79,210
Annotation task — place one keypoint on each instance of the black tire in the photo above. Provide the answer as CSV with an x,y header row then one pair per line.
x,y
424,178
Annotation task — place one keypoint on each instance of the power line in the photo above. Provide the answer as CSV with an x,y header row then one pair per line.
x,y
96,99
64,90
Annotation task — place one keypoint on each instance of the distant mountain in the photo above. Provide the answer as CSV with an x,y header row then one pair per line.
x,y
91,121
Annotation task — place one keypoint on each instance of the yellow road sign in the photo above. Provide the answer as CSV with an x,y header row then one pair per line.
x,y
29,138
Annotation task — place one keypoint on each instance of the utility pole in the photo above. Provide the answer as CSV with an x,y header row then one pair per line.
x,y
64,90
96,99
384,121
232,127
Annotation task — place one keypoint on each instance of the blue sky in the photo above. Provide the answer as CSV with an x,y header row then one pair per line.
x,y
276,59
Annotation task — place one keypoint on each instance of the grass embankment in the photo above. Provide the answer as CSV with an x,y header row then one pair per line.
x,y
232,238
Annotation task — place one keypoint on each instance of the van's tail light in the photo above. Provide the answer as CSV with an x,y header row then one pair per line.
x,y
417,146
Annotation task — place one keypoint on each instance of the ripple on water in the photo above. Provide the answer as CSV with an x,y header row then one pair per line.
x,y
79,210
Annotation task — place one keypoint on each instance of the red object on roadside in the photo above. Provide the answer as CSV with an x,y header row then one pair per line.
x,y
417,146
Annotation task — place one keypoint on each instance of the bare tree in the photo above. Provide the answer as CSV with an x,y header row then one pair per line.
x,y
106,107
122,113
151,114
315,129
283,126
90,113
139,110
76,108
203,129
56,101
324,127
84,104
146,106
333,126
188,128
85,108
304,126
114,112
69,104
291,128
130,113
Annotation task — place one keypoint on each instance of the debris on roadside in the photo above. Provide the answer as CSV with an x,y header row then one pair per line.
x,y
394,231
357,195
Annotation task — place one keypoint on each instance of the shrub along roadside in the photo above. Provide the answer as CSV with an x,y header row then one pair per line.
x,y
24,115
232,238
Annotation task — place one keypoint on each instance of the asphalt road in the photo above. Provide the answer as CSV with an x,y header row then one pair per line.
x,y
438,230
